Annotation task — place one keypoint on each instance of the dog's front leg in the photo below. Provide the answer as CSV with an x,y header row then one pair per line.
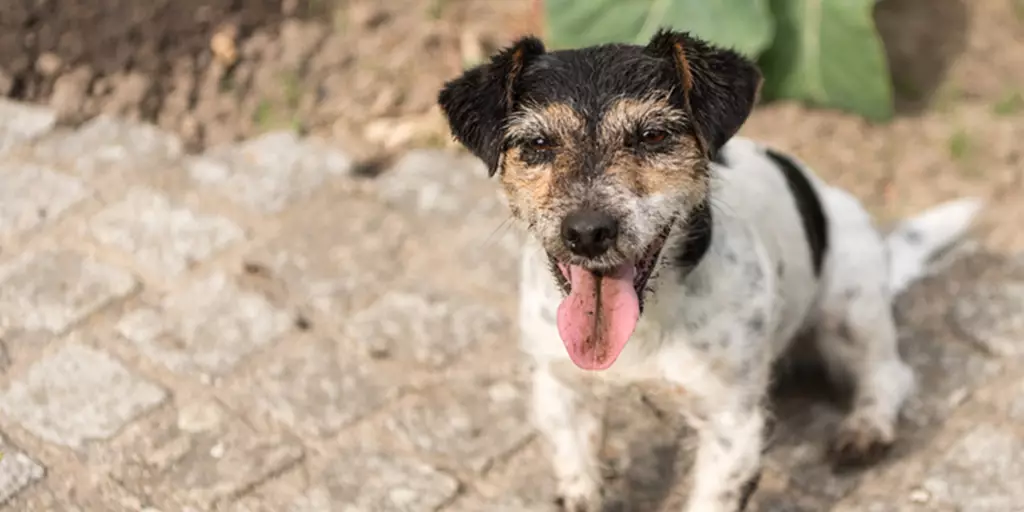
x,y
729,417
728,464
574,433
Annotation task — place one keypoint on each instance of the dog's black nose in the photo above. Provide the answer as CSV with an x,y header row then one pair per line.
x,y
589,233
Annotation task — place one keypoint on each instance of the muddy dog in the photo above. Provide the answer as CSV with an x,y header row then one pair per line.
x,y
664,248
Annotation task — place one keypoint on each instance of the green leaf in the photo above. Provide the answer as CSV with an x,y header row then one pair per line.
x,y
828,53
744,25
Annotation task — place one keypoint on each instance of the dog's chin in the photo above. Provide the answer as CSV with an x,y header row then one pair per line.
x,y
642,267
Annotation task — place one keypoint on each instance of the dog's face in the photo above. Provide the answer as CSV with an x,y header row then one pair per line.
x,y
601,150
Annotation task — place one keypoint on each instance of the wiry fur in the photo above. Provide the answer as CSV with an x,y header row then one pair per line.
x,y
716,317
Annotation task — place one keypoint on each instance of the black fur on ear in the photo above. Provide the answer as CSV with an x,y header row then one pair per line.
x,y
720,86
477,102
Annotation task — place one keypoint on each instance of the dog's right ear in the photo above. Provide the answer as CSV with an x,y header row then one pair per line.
x,y
477,102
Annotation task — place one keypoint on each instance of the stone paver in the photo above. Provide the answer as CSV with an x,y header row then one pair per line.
x,y
268,173
164,238
378,481
205,327
469,426
17,471
326,344
198,455
318,388
55,288
106,144
20,123
77,395
425,328
31,195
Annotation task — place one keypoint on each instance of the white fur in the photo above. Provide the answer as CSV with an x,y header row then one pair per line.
x,y
714,334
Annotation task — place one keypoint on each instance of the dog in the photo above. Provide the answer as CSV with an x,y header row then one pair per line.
x,y
665,248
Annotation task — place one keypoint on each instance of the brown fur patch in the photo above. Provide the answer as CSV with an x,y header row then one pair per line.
x,y
682,169
532,186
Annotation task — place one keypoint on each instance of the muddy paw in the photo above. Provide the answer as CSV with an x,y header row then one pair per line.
x,y
860,442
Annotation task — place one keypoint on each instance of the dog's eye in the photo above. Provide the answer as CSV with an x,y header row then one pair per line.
x,y
653,136
540,144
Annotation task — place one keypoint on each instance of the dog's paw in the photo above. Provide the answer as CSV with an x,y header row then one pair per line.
x,y
860,442
579,495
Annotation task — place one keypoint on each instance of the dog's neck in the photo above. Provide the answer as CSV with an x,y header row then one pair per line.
x,y
695,232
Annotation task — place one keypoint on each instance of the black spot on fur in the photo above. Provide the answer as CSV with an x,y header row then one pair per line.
x,y
748,490
698,232
757,323
912,236
780,270
809,206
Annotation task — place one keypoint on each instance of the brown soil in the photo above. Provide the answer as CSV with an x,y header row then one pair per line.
x,y
366,73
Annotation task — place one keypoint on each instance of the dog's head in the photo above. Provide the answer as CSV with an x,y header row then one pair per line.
x,y
600,152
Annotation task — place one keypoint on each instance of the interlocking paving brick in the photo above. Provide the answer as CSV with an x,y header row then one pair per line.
x,y
197,456
54,289
344,255
452,185
208,326
270,172
992,315
77,395
525,483
106,143
17,471
981,472
378,481
165,238
469,425
31,195
319,388
426,328
20,123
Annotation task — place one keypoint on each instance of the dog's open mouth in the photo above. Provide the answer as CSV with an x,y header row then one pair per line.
x,y
602,307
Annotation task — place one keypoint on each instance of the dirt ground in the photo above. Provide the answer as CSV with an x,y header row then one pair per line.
x,y
365,74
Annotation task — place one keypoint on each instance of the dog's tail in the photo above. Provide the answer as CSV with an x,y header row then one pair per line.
x,y
919,238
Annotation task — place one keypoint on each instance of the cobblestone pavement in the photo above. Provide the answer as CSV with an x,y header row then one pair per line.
x,y
263,328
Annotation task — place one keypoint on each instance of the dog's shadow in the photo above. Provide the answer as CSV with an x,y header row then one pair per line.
x,y
650,450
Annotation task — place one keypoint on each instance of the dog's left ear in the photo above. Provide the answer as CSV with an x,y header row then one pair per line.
x,y
477,102
720,86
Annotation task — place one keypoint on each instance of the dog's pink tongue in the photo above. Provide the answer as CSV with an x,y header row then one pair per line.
x,y
599,315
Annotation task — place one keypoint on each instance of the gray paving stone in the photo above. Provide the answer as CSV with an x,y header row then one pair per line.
x,y
270,172
208,326
77,395
468,424
980,472
20,123
196,456
165,238
378,482
31,195
106,143
524,483
477,256
17,471
446,184
992,315
55,289
342,255
426,328
319,388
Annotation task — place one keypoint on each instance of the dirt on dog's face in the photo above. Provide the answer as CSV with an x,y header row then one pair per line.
x,y
601,152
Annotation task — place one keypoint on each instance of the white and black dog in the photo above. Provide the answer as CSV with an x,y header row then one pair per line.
x,y
665,249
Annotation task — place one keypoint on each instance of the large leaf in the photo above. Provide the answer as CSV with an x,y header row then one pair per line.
x,y
744,25
828,53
